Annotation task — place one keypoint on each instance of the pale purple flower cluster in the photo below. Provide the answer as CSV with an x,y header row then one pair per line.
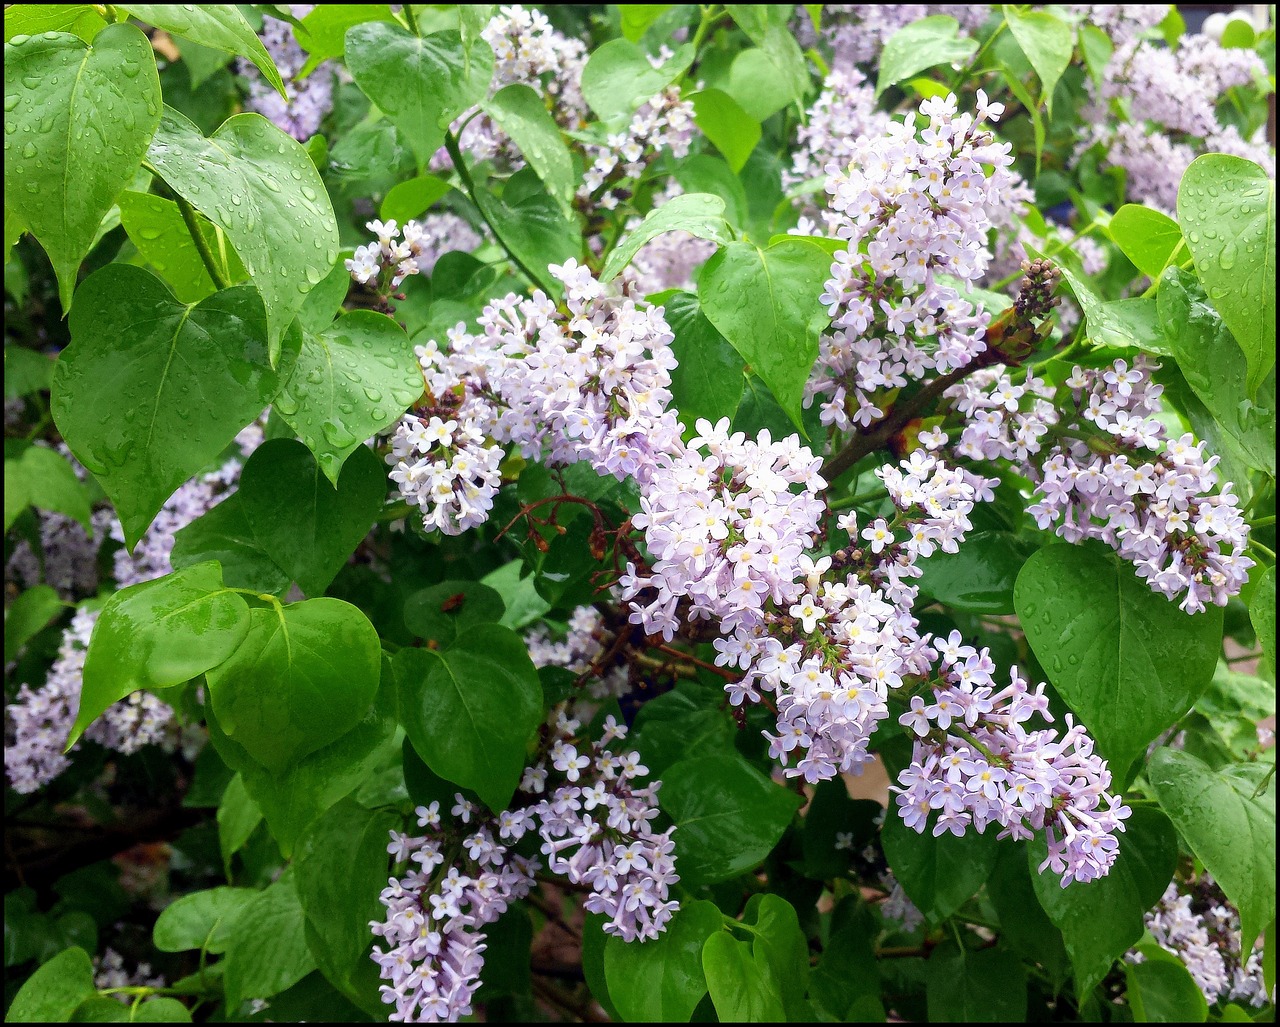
x,y
976,764
1124,23
668,261
1203,930
529,51
399,253
109,972
1170,99
913,206
1111,473
591,383
68,560
725,530
308,100
584,643
39,721
857,32
843,113
665,122
594,823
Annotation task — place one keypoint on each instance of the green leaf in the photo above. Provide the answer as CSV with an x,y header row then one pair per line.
x,y
1227,208
151,390
323,32
1025,928
341,865
291,800
304,676
1147,237
259,186
159,633
16,499
420,82
777,935
78,119
1047,42
161,1009
847,971
1231,829
1162,990
224,534
1215,368
920,45
352,380
1102,920
1262,612
25,372
1125,659
765,302
266,945
202,62
439,614
50,484
200,920
768,77
618,77
408,200
939,874
533,227
519,595
709,379
218,26
980,577
741,982
699,214
671,726
469,710
156,228
238,817
52,993
309,527
35,19
731,130
522,114
728,816
662,981
1096,48
636,18
975,986
28,615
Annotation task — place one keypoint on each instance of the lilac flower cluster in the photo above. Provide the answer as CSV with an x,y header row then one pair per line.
x,y
1111,473
668,261
594,824
856,33
1203,930
664,122
912,207
109,972
1170,99
68,559
584,643
1124,23
414,249
843,113
39,721
975,762
589,382
529,51
308,100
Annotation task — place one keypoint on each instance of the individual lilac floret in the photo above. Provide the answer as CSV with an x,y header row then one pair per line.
x,y
1203,930
589,382
309,99
975,763
913,204
461,874
1108,470
39,721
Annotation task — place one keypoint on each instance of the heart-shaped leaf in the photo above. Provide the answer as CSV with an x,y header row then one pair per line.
x,y
78,119
259,186
151,390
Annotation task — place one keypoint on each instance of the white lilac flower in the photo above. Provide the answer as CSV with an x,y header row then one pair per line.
x,y
585,642
415,249
664,122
